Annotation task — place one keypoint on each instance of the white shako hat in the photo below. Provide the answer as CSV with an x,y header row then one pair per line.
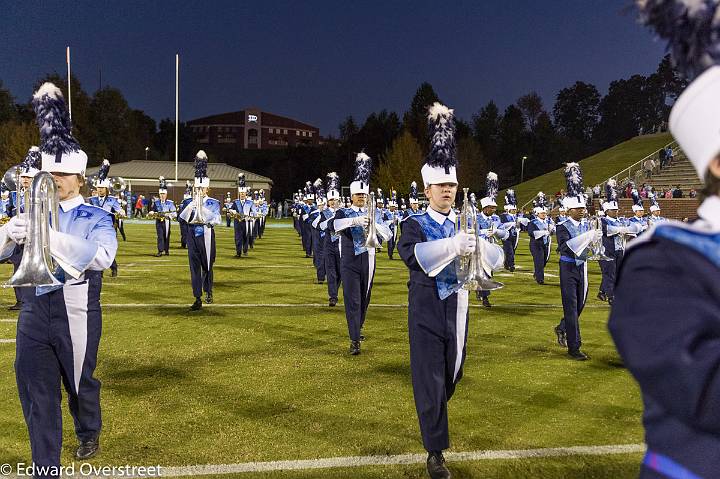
x,y
441,162
241,185
539,209
319,191
413,196
510,200
491,190
162,185
637,201
610,195
103,178
60,151
201,177
362,175
332,181
575,197
32,162
308,195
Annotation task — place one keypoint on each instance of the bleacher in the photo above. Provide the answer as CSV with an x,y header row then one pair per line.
x,y
680,172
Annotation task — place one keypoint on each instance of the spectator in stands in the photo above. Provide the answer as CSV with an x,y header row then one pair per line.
x,y
139,206
628,189
693,193
668,194
649,166
668,156
662,156
596,191
677,192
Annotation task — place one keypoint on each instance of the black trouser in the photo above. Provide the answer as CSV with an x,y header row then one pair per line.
x,y
318,257
162,228
573,290
357,274
332,267
539,252
610,271
509,250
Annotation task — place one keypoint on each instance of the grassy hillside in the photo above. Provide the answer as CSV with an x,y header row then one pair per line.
x,y
596,168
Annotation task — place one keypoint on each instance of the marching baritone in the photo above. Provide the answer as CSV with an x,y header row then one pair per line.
x,y
163,211
59,327
331,241
574,236
242,211
108,203
540,229
357,251
437,303
202,215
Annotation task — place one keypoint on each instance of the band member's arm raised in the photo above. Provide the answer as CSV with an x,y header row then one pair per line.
x,y
75,254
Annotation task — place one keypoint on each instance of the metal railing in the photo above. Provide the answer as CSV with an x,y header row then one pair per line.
x,y
634,173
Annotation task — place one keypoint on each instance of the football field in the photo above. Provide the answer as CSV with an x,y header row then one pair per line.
x,y
261,381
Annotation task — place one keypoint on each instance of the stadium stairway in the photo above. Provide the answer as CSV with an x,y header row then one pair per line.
x,y
680,172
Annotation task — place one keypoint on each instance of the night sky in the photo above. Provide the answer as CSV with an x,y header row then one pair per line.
x,y
319,61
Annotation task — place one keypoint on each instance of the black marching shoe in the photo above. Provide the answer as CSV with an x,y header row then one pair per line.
x,y
159,253
578,355
87,449
208,298
196,305
167,253
354,348
561,338
16,307
610,300
332,302
602,296
436,466
486,302
541,282
512,269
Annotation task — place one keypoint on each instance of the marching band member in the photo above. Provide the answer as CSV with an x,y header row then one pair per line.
x,y
562,216
574,236
638,217
489,224
357,262
105,201
509,222
263,212
382,213
201,236
187,199
665,320
226,208
413,201
305,209
163,210
540,230
58,331
255,220
5,203
393,220
120,222
331,245
438,305
318,235
244,209
654,212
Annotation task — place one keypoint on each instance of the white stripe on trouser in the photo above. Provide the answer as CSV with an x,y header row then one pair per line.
x,y
76,305
585,285
460,324
549,251
207,234
371,268
167,233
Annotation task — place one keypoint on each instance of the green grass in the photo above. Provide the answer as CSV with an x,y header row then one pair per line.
x,y
596,168
229,385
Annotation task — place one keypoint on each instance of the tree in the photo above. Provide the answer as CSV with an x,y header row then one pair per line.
x,y
513,145
377,133
576,111
531,107
15,140
622,111
472,164
486,130
415,119
348,129
400,165
7,105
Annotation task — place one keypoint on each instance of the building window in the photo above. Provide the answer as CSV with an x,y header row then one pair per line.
x,y
297,132
272,130
253,136
310,134
284,132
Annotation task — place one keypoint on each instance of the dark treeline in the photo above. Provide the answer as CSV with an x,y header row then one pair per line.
x,y
580,123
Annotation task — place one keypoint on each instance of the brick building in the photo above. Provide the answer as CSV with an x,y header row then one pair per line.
x,y
251,129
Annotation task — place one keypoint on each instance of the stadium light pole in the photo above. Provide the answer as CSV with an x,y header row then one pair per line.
x,y
177,114
146,152
522,169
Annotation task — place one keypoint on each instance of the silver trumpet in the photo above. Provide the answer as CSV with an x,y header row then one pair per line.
x,y
37,265
199,216
371,239
596,247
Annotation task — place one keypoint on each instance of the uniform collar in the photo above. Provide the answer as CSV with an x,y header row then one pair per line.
x,y
574,223
67,205
439,217
357,208
709,212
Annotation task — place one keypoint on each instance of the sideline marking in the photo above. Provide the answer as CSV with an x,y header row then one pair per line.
x,y
6,341
400,459
323,305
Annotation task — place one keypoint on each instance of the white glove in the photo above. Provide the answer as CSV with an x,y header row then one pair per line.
x,y
17,228
463,243
360,221
598,235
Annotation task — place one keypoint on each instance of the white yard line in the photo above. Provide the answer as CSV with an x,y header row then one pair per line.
x,y
6,341
8,320
323,305
400,459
